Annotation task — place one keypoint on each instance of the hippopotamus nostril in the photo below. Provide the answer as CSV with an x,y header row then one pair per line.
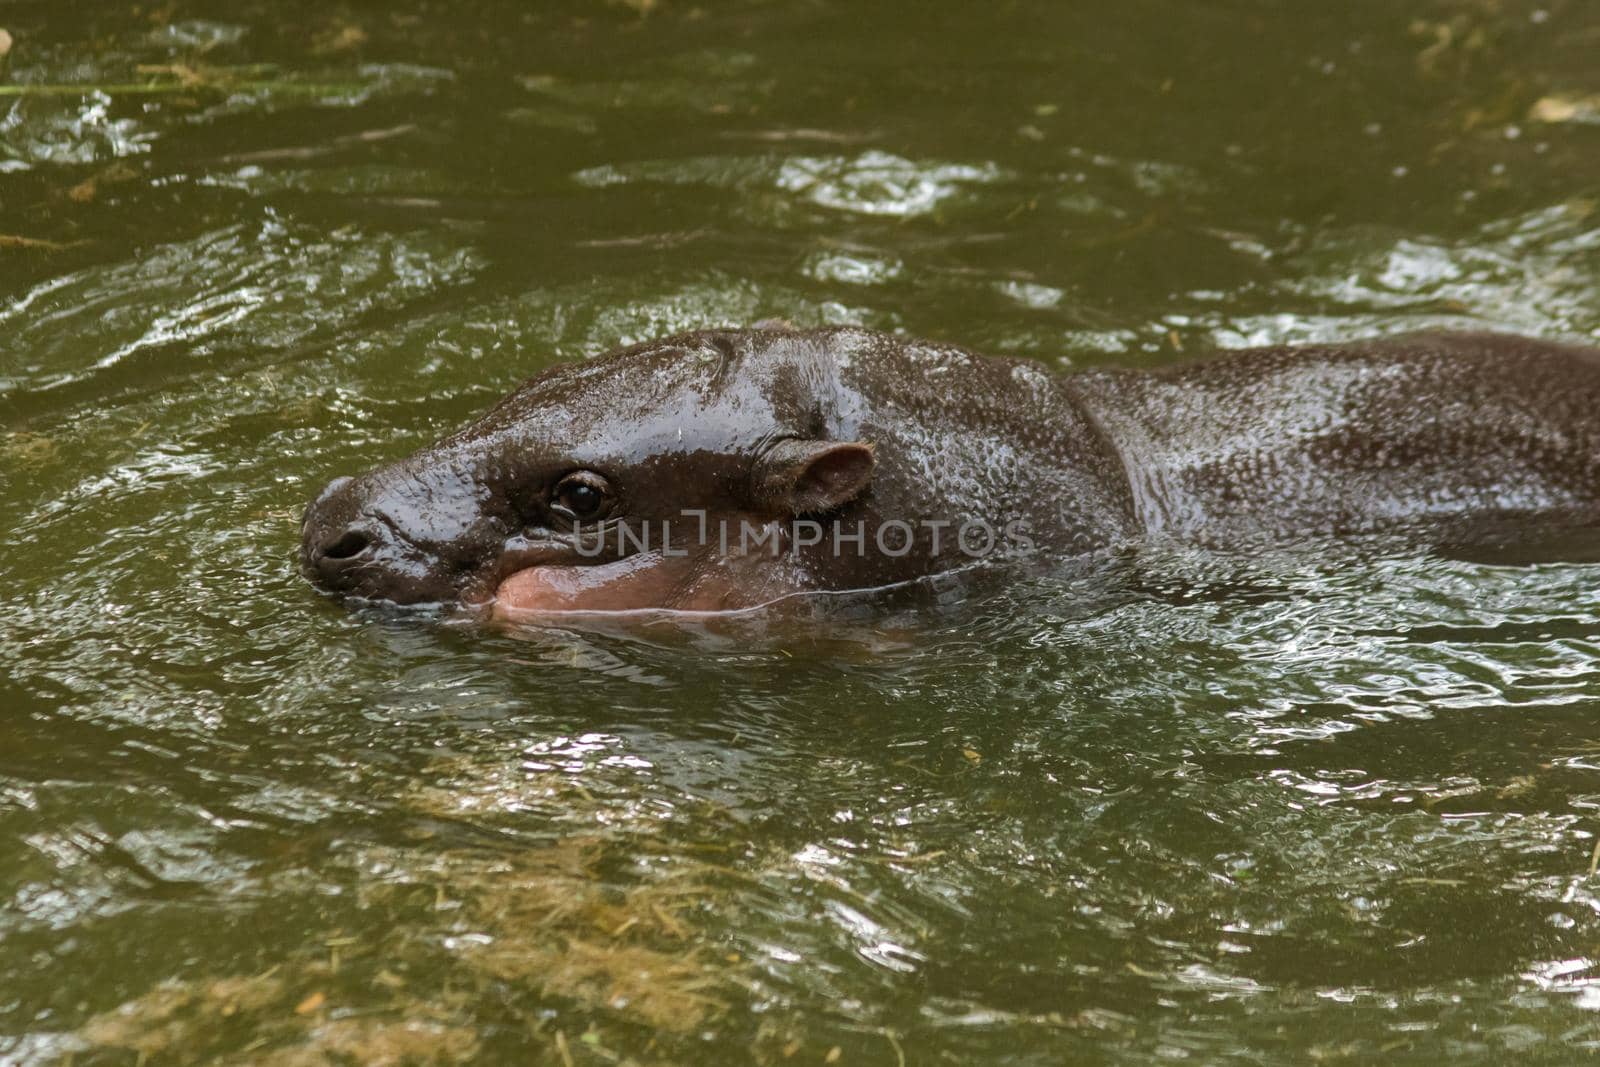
x,y
350,544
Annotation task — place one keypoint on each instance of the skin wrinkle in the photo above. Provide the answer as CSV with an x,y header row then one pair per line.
x,y
1444,436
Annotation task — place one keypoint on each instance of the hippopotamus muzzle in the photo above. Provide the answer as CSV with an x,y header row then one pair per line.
x,y
351,548
394,536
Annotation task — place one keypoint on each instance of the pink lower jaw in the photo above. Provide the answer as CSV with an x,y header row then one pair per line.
x,y
621,585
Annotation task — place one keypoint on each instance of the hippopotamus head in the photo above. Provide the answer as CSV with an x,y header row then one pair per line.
x,y
708,471
618,483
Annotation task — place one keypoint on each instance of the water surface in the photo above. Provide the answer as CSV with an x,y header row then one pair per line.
x,y
1325,804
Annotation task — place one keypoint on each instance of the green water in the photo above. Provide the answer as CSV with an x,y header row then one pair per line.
x,y
1315,806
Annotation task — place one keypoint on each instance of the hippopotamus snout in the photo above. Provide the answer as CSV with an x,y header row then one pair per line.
x,y
350,544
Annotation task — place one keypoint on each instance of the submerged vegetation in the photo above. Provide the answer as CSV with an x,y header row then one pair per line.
x,y
518,927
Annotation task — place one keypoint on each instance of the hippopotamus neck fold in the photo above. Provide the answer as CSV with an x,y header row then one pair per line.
x,y
963,437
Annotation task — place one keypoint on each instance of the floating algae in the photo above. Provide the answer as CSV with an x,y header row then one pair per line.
x,y
182,1021
27,449
553,925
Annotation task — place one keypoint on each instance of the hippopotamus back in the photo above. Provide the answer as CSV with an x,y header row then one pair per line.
x,y
1432,432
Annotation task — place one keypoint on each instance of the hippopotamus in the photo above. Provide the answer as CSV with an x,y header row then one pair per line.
x,y
728,469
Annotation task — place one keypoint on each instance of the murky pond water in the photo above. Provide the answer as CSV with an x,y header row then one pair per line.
x,y
1328,803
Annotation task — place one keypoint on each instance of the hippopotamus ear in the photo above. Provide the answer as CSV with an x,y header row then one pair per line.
x,y
808,477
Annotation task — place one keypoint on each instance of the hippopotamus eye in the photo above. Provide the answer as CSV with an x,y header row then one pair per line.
x,y
582,495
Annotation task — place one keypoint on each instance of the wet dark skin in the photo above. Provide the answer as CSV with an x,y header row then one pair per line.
x,y
696,439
